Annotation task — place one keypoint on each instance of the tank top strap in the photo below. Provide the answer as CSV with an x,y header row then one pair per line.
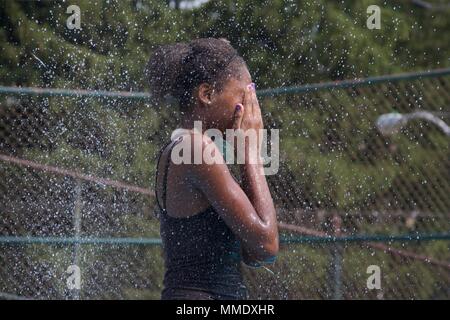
x,y
171,144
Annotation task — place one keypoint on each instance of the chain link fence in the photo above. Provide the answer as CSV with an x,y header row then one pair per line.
x,y
76,180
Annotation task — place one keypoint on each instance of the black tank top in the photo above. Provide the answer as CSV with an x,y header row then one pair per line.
x,y
201,254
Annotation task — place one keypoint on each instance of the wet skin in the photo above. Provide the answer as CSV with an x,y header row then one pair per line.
x,y
248,210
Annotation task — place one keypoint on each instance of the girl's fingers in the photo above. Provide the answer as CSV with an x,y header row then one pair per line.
x,y
248,101
238,116
255,103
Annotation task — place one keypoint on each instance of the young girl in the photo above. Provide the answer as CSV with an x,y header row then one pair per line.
x,y
210,223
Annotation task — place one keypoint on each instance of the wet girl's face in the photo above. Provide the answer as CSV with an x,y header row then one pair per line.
x,y
223,104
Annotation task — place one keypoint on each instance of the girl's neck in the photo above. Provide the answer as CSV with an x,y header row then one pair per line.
x,y
189,119
188,122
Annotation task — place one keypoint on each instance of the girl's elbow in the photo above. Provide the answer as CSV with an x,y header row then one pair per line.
x,y
271,249
268,250
271,244
265,246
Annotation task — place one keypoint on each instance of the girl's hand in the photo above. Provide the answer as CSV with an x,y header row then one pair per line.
x,y
248,119
248,116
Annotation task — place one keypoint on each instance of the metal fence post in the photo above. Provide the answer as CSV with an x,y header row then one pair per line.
x,y
336,259
77,231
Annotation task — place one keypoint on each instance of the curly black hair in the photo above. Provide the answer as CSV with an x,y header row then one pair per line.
x,y
177,69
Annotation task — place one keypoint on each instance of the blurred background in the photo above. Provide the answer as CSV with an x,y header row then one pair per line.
x,y
364,173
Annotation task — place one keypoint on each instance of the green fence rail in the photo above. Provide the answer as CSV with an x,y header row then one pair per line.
x,y
283,240
55,92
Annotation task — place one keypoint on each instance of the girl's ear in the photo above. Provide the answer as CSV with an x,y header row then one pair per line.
x,y
205,91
